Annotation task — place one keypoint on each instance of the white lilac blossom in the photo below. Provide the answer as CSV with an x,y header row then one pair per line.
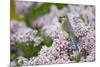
x,y
22,7
37,40
21,33
20,60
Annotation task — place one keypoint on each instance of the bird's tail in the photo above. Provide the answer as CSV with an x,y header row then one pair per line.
x,y
74,40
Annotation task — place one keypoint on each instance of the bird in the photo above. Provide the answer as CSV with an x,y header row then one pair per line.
x,y
66,27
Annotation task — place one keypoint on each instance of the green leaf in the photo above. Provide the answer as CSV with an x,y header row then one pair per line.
x,y
48,41
13,56
76,58
60,6
29,50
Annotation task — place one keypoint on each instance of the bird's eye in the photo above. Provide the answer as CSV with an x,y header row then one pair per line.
x,y
61,18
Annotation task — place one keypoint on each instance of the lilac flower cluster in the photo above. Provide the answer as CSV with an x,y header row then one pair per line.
x,y
57,53
21,33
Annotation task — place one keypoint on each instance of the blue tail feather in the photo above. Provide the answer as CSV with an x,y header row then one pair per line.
x,y
74,40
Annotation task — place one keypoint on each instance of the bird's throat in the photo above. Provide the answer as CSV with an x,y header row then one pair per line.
x,y
63,26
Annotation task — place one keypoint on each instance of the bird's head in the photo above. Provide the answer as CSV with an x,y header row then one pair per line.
x,y
62,19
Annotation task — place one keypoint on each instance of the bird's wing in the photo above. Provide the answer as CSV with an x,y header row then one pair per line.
x,y
72,36
68,28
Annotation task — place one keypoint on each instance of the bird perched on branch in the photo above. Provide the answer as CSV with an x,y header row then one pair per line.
x,y
66,27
